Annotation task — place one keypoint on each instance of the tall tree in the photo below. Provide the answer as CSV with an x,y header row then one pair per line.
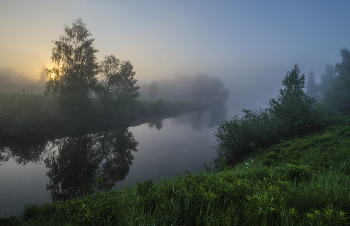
x,y
311,86
117,84
327,79
73,77
338,95
293,110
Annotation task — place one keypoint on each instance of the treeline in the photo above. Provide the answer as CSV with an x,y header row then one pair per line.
x,y
334,89
293,113
199,87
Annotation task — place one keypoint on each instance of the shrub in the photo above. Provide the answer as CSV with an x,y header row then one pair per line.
x,y
238,137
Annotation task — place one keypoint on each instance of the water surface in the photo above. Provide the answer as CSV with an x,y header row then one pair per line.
x,y
79,165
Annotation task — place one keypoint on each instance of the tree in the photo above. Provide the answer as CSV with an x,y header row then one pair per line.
x,y
152,90
293,110
311,86
338,95
209,90
327,79
73,77
117,84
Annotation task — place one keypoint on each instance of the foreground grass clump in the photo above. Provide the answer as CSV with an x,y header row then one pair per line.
x,y
299,182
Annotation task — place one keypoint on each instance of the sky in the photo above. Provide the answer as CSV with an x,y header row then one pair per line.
x,y
249,44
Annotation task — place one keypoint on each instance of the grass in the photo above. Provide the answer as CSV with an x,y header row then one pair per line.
x,y
299,182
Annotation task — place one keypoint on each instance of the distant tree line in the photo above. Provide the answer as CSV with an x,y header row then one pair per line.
x,y
199,87
334,89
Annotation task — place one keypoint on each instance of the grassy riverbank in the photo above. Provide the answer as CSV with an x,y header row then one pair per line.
x,y
299,182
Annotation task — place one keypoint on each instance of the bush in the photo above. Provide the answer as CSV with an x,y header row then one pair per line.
x,y
238,137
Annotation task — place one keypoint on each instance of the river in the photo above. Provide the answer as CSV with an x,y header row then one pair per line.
x,y
68,167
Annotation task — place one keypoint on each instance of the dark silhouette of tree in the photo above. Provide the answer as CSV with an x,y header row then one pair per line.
x,y
5,155
117,84
116,150
327,79
311,85
73,77
87,163
72,169
338,95
23,151
209,90
199,87
152,89
293,110
158,124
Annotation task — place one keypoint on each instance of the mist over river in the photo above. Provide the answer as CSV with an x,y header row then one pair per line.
x,y
73,166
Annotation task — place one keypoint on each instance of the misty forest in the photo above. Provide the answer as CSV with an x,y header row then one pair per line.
x,y
286,164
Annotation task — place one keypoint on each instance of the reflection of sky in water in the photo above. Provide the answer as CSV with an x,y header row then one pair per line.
x,y
20,185
165,153
181,144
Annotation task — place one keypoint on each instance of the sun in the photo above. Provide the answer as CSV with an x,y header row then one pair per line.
x,y
52,75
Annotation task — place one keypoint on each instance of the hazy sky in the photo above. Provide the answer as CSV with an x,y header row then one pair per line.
x,y
242,42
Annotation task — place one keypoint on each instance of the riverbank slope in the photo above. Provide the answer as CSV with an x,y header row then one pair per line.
x,y
298,182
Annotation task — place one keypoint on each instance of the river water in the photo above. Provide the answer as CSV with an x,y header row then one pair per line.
x,y
65,168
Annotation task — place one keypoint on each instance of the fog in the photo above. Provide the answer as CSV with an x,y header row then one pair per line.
x,y
198,87
13,82
247,45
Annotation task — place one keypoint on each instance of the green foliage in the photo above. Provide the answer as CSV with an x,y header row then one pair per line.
x,y
248,194
338,95
74,83
238,137
9,221
291,114
73,77
293,111
117,87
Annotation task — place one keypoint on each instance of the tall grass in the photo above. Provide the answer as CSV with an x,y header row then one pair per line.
x,y
299,182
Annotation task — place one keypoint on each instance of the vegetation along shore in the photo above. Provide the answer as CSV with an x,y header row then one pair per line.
x,y
288,164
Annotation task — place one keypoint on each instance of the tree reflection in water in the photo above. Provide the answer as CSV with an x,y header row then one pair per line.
x,y
83,164
86,163
158,124
22,152
203,118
